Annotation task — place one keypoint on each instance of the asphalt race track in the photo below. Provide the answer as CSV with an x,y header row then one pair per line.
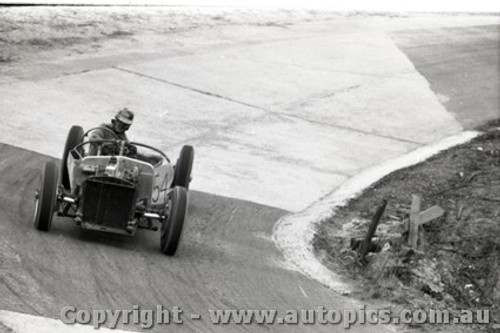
x,y
227,258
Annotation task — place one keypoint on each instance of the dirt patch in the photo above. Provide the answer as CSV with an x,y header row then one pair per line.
x,y
457,263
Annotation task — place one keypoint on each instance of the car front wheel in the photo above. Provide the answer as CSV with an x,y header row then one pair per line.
x,y
171,229
45,198
75,137
182,176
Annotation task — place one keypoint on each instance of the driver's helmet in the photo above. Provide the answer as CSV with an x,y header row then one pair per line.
x,y
125,116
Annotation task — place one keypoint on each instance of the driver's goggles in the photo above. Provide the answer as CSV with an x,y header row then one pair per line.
x,y
122,125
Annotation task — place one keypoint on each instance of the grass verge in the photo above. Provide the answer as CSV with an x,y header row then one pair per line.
x,y
457,263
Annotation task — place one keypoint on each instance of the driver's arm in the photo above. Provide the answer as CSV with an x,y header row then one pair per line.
x,y
152,159
97,134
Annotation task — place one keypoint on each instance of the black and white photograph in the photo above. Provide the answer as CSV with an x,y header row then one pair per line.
x,y
249,166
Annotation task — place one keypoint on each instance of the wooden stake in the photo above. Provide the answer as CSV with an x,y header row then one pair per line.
x,y
430,214
363,249
417,218
414,220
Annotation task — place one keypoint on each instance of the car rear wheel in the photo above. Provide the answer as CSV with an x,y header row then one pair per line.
x,y
171,230
45,198
182,176
75,137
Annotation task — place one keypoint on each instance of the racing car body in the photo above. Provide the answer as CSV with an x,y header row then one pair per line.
x,y
116,186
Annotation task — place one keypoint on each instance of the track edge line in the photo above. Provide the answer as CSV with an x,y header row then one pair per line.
x,y
293,234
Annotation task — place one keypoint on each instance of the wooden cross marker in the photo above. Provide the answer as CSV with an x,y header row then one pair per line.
x,y
418,218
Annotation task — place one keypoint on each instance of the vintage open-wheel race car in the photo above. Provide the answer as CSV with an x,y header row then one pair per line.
x,y
116,186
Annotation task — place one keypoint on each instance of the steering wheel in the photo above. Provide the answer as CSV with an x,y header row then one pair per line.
x,y
108,148
114,148
102,128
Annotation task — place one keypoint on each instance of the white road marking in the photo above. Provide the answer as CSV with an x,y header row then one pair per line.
x,y
24,323
293,234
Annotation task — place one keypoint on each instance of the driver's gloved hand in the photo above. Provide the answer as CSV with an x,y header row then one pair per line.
x,y
130,150
110,149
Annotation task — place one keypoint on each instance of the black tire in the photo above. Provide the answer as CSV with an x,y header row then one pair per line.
x,y
182,176
46,197
171,230
75,137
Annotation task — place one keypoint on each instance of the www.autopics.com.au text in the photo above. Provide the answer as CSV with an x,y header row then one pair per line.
x,y
147,318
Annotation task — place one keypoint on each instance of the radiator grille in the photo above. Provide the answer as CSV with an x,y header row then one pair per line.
x,y
108,201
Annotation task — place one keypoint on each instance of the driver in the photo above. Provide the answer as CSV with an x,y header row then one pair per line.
x,y
119,125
